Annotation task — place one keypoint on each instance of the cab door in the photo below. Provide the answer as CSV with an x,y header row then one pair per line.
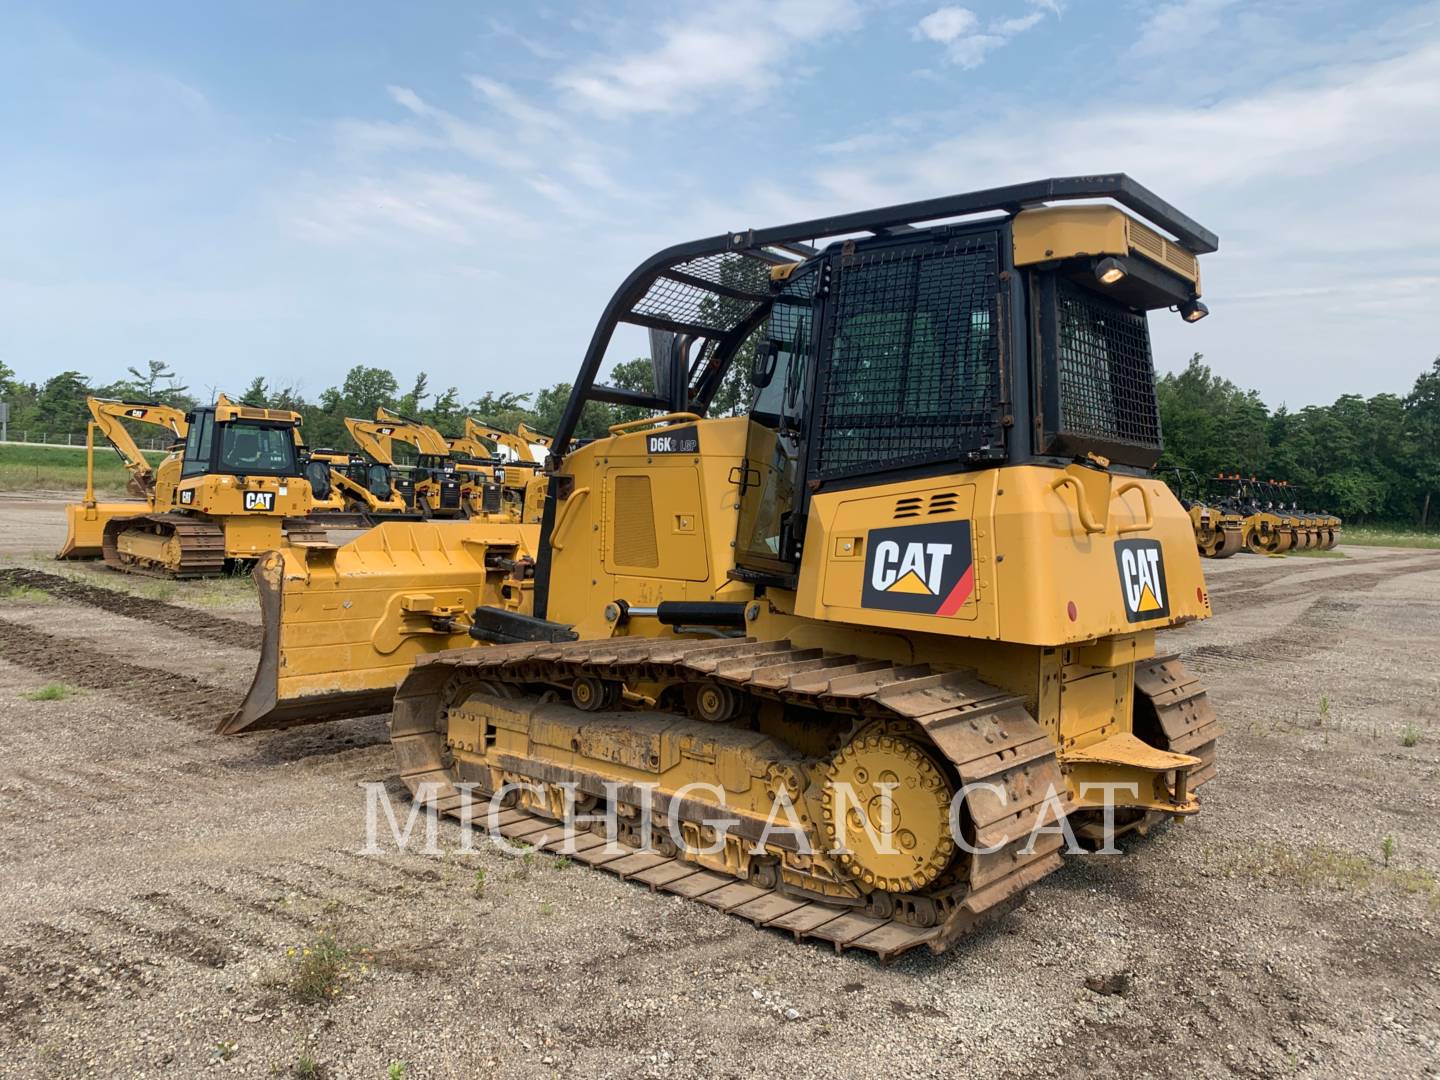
x,y
772,494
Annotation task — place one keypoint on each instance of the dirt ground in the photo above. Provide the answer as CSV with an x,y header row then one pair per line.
x,y
156,879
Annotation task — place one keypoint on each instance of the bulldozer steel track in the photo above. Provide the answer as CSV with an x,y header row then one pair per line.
x,y
172,616
202,545
984,733
1182,713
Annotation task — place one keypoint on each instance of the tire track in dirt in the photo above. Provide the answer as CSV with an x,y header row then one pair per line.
x,y
1226,597
187,620
177,697
1317,628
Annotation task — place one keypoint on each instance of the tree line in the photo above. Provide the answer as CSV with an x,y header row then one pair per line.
x,y
1367,459
1373,459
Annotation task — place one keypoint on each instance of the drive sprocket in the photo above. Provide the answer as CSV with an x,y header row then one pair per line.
x,y
904,798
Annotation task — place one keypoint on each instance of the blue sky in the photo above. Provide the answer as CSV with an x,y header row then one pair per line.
x,y
294,188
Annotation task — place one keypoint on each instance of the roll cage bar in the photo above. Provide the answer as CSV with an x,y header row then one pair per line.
x,y
716,291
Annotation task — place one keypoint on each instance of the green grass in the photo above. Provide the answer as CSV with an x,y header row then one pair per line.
x,y
54,691
1388,536
25,593
62,468
306,1067
1321,867
229,591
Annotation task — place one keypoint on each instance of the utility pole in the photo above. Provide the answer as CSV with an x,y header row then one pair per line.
x,y
4,422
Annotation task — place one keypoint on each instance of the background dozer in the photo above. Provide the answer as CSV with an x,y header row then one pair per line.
x,y
85,521
238,491
931,556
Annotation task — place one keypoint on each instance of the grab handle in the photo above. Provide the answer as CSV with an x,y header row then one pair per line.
x,y
1137,526
567,512
1087,522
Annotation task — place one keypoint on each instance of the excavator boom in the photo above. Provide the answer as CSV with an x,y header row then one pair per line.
x,y
85,521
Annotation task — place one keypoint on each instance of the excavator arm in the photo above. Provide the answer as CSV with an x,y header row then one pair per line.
x,y
476,432
533,437
423,437
373,438
108,418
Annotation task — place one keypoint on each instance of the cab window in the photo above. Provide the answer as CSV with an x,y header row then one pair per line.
x,y
256,448
198,442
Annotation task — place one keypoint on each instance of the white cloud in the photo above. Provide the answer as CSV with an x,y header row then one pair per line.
x,y
946,24
1347,114
472,140
442,205
739,50
1019,24
511,104
966,44
1177,25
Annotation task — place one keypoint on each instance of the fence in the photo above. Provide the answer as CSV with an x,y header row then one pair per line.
x,y
53,438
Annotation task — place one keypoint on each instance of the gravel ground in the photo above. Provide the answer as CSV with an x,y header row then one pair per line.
x,y
158,879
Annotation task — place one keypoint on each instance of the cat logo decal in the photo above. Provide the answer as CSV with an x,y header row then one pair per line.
x,y
1142,579
925,569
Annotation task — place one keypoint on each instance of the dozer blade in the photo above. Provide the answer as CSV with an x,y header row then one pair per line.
x,y
342,626
85,527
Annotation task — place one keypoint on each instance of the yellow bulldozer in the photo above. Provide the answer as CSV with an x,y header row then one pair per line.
x,y
912,596
232,491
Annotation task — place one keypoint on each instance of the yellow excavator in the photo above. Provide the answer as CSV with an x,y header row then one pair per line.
x,y
511,488
85,521
520,445
912,596
453,478
437,480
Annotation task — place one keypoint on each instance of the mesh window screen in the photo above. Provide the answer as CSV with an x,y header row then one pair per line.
x,y
1105,373
713,292
913,371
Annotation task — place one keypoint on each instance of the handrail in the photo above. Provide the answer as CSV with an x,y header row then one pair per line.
x,y
666,418
566,513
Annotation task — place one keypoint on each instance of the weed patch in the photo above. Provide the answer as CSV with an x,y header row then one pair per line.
x,y
319,970
55,691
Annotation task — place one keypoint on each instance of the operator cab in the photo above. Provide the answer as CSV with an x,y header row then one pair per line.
x,y
222,442
918,340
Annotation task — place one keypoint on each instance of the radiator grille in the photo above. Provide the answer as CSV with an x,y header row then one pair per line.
x,y
913,367
1106,377
635,523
